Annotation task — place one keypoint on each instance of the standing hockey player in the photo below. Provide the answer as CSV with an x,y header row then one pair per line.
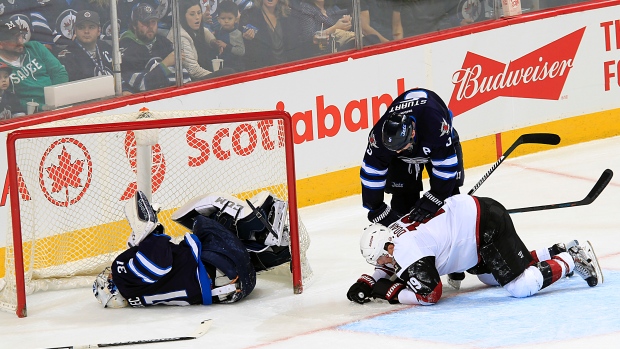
x,y
209,266
416,130
468,233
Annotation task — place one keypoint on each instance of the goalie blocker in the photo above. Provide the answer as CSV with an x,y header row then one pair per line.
x,y
268,246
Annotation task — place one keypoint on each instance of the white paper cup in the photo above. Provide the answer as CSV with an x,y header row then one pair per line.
x,y
218,64
32,107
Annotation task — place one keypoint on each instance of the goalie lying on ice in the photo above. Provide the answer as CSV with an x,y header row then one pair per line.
x,y
210,265
468,233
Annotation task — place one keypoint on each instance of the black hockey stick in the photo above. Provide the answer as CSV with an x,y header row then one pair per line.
x,y
201,330
262,219
538,138
592,195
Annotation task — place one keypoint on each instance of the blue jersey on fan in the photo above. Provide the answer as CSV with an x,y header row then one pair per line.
x,y
435,147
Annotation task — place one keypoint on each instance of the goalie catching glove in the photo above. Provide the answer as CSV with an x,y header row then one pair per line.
x,y
361,290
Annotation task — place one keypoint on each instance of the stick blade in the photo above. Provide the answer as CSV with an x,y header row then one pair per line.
x,y
602,182
542,138
204,327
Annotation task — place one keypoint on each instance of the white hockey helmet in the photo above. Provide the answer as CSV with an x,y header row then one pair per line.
x,y
106,291
373,242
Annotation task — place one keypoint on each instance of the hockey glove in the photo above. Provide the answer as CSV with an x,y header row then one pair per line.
x,y
425,208
383,215
361,290
388,290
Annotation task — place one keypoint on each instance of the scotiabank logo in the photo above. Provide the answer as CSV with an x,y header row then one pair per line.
x,y
540,74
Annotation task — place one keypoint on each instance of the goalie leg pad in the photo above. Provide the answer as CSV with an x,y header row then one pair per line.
x,y
224,208
278,215
275,212
141,217
271,257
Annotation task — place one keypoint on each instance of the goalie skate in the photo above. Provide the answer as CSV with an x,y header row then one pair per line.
x,y
586,263
278,218
142,218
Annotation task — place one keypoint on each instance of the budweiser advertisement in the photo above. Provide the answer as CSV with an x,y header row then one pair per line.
x,y
539,74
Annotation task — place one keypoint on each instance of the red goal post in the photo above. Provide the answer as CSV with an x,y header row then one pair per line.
x,y
74,176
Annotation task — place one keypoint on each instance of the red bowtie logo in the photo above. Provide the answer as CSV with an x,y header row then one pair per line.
x,y
540,74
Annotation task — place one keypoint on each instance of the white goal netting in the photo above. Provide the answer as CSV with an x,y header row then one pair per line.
x,y
72,184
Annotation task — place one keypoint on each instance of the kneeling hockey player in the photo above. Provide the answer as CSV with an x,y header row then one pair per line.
x,y
213,264
468,233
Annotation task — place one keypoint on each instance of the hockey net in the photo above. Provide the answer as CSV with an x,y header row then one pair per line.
x,y
74,176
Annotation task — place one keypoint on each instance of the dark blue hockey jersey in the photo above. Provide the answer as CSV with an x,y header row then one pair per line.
x,y
28,14
160,272
141,67
434,143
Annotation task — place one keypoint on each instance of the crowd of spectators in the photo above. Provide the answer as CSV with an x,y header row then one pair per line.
x,y
48,42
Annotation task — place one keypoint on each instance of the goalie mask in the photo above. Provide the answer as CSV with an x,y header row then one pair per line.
x,y
373,243
396,132
106,291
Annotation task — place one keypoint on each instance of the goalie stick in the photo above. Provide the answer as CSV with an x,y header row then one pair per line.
x,y
200,331
538,138
592,195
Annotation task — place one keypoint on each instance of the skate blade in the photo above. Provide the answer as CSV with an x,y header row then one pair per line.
x,y
599,272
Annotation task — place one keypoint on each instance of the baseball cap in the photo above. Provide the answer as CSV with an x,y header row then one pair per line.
x,y
143,12
4,66
87,16
8,29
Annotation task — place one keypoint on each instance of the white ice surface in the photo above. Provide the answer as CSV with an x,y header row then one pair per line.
x,y
568,314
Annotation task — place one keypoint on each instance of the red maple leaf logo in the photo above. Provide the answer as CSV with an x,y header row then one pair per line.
x,y
67,173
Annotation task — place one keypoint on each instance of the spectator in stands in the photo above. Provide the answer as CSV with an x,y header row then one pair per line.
x,y
102,7
210,11
162,9
60,16
9,103
27,14
147,57
229,38
34,66
198,44
382,19
322,16
271,35
87,55
426,16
